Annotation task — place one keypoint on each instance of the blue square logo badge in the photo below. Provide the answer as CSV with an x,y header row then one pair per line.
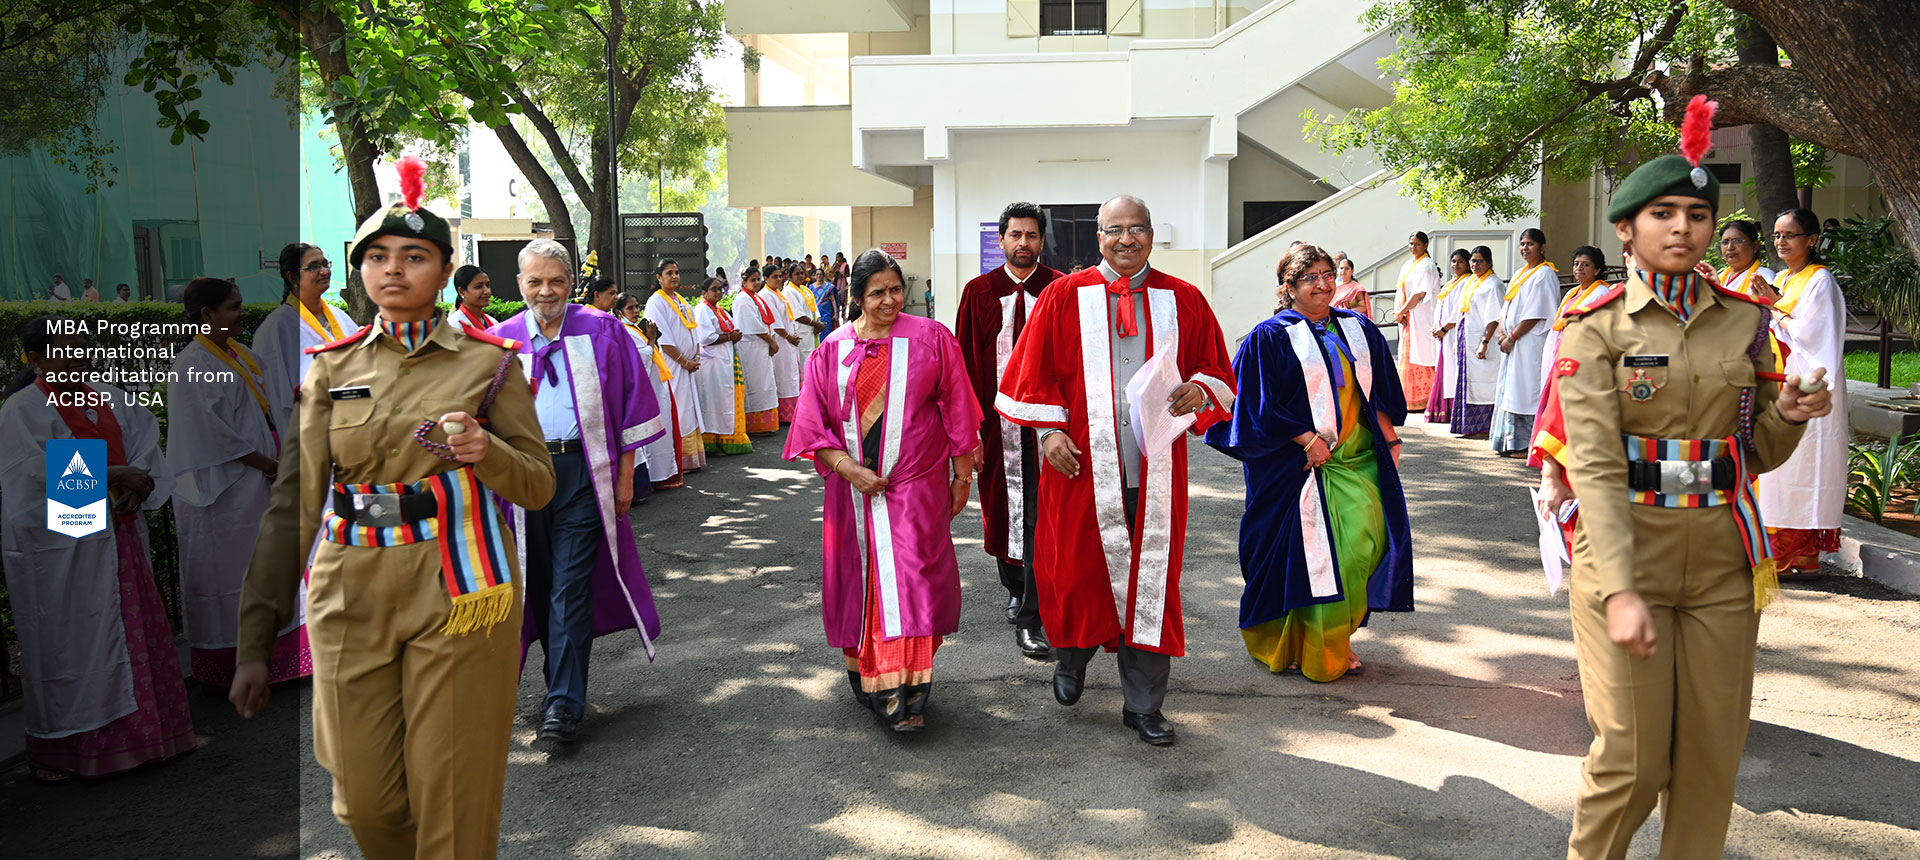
x,y
77,486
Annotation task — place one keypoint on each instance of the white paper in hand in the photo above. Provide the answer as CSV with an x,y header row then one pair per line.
x,y
1553,547
1153,427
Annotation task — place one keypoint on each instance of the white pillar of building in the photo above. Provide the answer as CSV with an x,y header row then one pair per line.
x,y
943,259
756,234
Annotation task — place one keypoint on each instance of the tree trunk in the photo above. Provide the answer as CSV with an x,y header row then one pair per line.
x,y
324,35
543,184
1772,156
1864,58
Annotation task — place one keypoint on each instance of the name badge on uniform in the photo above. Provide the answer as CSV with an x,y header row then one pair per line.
x,y
1646,361
356,392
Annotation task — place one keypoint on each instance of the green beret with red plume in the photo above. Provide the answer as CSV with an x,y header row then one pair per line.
x,y
405,217
1674,175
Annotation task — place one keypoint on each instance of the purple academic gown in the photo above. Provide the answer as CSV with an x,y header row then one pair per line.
x,y
617,413
931,415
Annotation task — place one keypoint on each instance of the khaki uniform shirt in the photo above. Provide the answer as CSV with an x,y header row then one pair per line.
x,y
369,440
1697,370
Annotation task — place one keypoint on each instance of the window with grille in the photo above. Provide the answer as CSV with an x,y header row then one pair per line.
x,y
1073,17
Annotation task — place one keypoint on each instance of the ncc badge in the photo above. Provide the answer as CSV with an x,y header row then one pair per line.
x,y
76,486
1641,387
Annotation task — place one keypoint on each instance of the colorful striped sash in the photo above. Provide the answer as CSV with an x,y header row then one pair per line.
x,y
473,552
1745,507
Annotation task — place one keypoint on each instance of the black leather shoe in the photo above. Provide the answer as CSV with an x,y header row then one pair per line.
x,y
1067,682
1013,609
1153,728
1033,643
560,727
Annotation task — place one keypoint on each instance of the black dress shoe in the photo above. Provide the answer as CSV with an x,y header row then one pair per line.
x,y
560,727
1153,728
1067,682
1013,609
1033,643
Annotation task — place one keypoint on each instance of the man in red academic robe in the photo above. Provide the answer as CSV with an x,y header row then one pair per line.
x,y
993,310
1113,521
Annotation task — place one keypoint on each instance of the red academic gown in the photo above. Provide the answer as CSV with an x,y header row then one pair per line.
x,y
1099,586
993,310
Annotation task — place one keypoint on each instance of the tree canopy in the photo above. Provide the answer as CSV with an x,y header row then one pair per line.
x,y
1494,92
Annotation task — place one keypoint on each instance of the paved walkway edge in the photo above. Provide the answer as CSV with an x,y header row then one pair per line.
x,y
1880,554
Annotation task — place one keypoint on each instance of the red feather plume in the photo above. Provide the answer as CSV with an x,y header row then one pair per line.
x,y
413,181
1696,130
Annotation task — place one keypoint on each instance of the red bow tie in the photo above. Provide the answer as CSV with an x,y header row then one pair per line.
x,y
1123,287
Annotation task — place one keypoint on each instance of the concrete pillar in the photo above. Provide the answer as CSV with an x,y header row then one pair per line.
x,y
943,258
756,235
750,89
809,234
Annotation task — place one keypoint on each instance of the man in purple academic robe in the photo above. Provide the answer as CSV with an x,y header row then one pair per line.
x,y
583,574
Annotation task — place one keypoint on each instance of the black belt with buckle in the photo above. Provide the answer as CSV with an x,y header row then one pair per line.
x,y
385,510
564,446
1680,477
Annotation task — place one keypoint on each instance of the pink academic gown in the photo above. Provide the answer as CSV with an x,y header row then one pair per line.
x,y
931,415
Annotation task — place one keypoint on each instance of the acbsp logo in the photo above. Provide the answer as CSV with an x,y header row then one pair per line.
x,y
76,490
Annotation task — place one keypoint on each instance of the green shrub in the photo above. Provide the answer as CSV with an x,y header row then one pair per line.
x,y
1875,472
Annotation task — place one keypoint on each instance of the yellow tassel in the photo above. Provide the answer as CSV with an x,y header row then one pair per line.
x,y
480,610
1766,584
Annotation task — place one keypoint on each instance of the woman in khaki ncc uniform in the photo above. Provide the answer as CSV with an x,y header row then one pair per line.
x,y
413,605
1670,408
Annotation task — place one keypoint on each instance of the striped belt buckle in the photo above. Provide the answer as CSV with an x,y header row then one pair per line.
x,y
1686,477
377,510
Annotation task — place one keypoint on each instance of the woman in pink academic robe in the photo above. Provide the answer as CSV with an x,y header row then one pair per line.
x,y
887,416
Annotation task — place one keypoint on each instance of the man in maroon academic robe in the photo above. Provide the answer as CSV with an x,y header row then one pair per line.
x,y
993,309
1113,518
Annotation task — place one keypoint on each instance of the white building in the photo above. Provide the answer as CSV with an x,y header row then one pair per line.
x,y
928,116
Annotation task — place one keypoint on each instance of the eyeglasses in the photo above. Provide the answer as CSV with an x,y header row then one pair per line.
x,y
1326,278
1136,231
318,266
1737,242
1782,237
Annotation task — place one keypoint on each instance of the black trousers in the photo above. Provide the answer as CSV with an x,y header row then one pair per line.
x,y
1018,579
1143,674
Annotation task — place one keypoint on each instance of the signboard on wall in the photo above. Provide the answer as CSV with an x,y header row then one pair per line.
x,y
991,257
896,250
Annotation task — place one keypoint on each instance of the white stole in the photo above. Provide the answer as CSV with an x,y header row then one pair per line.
x,y
1323,568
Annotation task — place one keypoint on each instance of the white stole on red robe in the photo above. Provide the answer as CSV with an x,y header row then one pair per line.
x,y
1155,512
874,508
1010,453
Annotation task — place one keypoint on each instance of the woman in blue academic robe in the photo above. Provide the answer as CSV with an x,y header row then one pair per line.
x,y
1324,540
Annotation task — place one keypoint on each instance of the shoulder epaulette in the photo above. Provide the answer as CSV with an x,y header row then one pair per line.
x,y
506,343
1592,303
352,338
1736,294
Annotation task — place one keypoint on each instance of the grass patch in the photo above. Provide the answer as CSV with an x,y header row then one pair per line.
x,y
1865,367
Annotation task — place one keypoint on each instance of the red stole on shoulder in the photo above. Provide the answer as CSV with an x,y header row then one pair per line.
x,y
90,422
725,319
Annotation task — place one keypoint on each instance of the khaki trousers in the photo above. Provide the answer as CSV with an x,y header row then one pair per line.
x,y
413,724
1677,721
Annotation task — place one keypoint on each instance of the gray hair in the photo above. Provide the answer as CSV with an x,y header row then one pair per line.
x,y
545,248
1101,219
